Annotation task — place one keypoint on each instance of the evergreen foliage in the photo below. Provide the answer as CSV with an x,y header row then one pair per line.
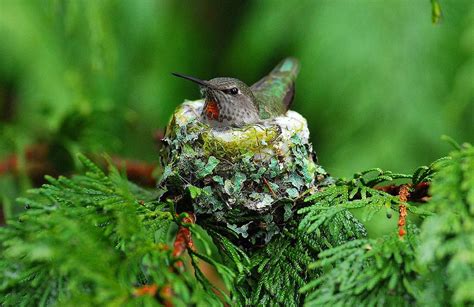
x,y
367,272
93,240
99,239
434,267
447,236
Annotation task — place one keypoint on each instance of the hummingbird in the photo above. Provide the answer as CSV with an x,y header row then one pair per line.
x,y
230,102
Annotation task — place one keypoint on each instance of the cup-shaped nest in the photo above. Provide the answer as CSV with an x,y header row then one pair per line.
x,y
248,179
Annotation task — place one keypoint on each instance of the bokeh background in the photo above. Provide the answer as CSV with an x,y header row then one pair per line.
x,y
379,83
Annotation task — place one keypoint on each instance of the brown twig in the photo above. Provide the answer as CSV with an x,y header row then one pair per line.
x,y
36,159
406,192
419,192
35,168
146,290
137,171
182,242
403,194
183,239
165,293
38,163
268,186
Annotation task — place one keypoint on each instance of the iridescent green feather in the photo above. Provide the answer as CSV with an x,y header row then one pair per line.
x,y
275,91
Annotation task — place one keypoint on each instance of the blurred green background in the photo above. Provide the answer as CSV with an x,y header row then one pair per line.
x,y
379,83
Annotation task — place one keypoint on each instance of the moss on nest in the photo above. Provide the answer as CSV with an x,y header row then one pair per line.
x,y
247,179
250,139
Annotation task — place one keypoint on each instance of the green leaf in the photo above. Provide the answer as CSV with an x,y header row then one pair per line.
x,y
209,167
239,179
292,193
194,191
218,179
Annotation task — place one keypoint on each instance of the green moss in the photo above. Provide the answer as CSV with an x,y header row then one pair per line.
x,y
251,139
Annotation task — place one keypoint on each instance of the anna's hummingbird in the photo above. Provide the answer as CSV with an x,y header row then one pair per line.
x,y
230,102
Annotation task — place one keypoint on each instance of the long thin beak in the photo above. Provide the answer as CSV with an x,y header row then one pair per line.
x,y
195,80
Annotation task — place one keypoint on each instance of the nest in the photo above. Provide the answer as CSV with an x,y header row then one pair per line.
x,y
248,180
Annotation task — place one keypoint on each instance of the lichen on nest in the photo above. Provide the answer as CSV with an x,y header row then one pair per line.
x,y
246,179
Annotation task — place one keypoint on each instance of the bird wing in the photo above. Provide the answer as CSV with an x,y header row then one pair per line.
x,y
276,90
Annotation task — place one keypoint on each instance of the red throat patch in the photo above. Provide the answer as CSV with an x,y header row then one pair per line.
x,y
212,110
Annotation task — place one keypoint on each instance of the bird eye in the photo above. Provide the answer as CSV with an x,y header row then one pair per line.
x,y
234,91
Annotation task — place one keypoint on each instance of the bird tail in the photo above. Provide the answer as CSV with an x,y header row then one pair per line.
x,y
279,83
288,65
285,72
